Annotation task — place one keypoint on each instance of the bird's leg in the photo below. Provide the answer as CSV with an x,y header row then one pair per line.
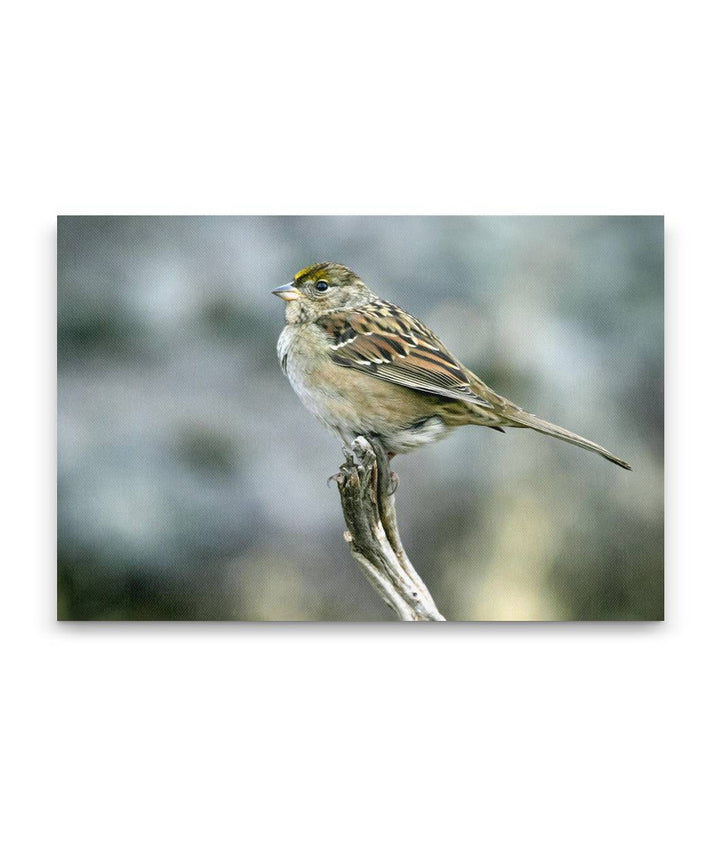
x,y
393,479
387,479
390,479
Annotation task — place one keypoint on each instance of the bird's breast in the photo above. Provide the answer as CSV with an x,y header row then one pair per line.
x,y
352,402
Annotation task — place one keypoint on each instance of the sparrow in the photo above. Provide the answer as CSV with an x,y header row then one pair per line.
x,y
362,365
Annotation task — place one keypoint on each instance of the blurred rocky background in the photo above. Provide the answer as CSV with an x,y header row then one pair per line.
x,y
192,483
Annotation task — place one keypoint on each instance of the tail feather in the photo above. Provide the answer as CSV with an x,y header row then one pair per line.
x,y
521,419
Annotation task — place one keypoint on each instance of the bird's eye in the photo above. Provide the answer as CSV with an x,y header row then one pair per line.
x,y
321,285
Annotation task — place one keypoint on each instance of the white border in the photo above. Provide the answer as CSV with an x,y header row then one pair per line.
x,y
353,739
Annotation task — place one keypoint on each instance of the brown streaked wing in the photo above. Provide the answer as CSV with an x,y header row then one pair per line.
x,y
382,340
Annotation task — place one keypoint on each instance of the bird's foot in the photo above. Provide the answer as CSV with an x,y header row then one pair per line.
x,y
368,458
358,459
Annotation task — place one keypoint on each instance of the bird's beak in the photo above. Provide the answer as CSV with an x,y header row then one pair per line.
x,y
287,292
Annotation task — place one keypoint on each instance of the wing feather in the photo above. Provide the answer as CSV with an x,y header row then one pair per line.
x,y
383,340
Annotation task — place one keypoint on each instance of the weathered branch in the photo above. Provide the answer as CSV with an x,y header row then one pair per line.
x,y
366,493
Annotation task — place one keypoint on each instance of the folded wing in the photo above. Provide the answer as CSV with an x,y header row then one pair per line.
x,y
383,341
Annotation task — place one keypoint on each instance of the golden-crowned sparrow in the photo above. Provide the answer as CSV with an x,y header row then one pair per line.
x,y
364,366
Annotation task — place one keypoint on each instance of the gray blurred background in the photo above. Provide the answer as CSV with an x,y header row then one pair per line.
x,y
192,482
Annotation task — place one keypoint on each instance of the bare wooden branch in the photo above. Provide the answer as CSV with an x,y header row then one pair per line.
x,y
366,493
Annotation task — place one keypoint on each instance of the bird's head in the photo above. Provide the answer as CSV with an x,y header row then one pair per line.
x,y
322,288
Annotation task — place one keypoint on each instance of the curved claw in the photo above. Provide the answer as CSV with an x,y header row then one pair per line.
x,y
394,482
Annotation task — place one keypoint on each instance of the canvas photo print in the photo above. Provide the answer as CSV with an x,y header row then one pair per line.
x,y
342,418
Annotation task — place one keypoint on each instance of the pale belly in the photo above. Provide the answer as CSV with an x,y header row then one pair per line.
x,y
349,402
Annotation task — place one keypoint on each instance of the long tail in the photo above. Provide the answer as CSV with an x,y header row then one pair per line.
x,y
522,419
